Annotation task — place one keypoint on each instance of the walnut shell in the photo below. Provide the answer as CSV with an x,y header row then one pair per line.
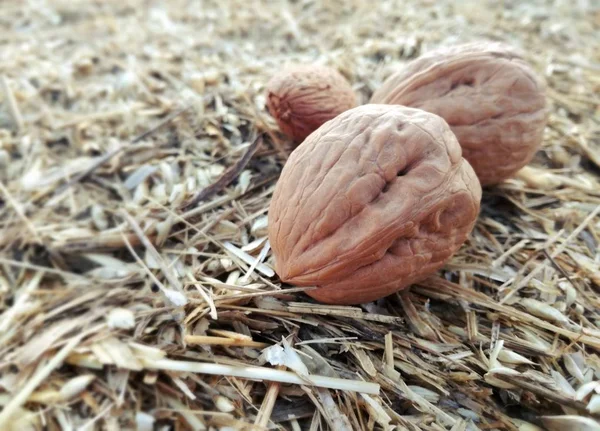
x,y
376,199
302,98
491,98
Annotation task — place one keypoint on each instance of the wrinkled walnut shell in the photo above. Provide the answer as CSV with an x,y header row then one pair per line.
x,y
302,98
492,99
373,201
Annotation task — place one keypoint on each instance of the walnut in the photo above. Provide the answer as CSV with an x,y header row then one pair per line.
x,y
302,98
376,199
492,99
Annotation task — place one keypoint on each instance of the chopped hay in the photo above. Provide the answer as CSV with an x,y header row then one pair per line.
x,y
136,167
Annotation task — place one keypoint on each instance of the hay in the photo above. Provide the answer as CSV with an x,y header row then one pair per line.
x,y
137,163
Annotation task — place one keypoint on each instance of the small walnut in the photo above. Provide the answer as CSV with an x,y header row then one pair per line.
x,y
491,98
302,98
373,201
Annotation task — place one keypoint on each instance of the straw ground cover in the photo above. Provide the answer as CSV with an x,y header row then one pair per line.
x,y
136,288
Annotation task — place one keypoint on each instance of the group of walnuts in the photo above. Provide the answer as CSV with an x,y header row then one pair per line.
x,y
379,196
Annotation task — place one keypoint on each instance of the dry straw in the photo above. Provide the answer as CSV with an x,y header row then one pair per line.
x,y
137,163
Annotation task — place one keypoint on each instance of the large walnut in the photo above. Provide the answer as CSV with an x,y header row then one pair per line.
x,y
491,98
371,202
301,98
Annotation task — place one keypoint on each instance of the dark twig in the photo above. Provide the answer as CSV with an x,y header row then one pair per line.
x,y
225,179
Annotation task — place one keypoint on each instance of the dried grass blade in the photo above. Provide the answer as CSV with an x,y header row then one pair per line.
x,y
40,375
262,374
561,248
107,157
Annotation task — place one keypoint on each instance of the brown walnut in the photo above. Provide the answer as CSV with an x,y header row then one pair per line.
x,y
376,199
491,98
301,98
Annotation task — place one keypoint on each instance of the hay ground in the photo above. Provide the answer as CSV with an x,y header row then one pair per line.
x,y
122,307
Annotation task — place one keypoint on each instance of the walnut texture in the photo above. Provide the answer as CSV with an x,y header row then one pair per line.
x,y
492,99
376,199
302,98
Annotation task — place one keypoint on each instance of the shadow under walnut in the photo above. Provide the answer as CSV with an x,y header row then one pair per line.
x,y
374,200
